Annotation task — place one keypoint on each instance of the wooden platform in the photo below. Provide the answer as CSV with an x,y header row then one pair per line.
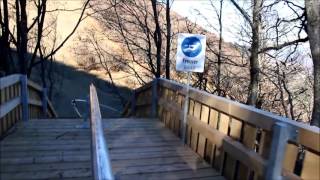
x,y
139,149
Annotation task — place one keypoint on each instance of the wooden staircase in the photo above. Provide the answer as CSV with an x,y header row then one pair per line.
x,y
223,138
139,149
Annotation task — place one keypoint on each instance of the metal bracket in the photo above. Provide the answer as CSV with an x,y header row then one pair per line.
x,y
280,136
86,115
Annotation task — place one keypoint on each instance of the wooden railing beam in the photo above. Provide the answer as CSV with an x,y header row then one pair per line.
x,y
102,169
236,136
9,80
9,106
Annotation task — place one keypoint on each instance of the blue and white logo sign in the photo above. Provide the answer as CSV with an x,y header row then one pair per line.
x,y
191,46
191,52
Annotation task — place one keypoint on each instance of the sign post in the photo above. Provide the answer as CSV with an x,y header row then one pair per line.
x,y
190,58
185,109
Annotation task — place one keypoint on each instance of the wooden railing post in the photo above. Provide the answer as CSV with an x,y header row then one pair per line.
x,y
24,97
154,110
280,138
133,103
44,102
185,111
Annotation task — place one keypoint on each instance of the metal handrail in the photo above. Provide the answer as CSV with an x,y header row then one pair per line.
x,y
101,165
74,105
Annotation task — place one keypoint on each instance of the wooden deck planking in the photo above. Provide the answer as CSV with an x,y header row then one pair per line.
x,y
139,149
167,158
31,151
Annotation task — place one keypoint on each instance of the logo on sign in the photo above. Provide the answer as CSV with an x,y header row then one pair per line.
x,y
191,46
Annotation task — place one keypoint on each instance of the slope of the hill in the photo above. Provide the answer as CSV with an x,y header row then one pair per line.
x,y
71,83
81,47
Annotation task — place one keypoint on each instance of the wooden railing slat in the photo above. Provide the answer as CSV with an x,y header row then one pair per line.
x,y
20,99
34,86
234,148
35,102
311,166
231,133
307,135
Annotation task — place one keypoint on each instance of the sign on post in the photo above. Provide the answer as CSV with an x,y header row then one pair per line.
x,y
191,52
190,58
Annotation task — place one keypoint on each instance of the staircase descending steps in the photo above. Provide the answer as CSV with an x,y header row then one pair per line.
x,y
57,149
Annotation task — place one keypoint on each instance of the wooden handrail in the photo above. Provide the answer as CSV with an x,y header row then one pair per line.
x,y
34,86
22,99
9,106
9,80
102,169
129,109
234,135
305,134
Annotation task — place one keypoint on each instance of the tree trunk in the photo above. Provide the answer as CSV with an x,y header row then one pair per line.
x,y
168,39
313,30
254,57
220,50
4,40
22,34
157,37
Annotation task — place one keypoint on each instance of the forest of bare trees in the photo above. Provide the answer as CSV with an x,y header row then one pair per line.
x,y
274,64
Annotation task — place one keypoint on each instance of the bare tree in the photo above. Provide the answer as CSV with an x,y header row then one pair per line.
x,y
255,25
168,38
219,56
4,38
313,30
20,37
157,36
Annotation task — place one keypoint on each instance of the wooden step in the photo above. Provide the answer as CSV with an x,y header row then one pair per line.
x,y
138,149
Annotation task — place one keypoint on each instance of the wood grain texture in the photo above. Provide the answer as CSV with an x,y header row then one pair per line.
x,y
61,151
9,106
308,136
9,80
311,166
246,127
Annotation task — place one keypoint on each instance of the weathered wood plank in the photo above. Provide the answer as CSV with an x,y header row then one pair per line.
x,y
49,174
290,157
35,102
307,135
34,86
234,148
9,106
181,174
230,166
152,152
311,166
44,167
9,80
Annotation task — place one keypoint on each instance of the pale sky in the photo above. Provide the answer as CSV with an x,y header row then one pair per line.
x,y
231,17
187,8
